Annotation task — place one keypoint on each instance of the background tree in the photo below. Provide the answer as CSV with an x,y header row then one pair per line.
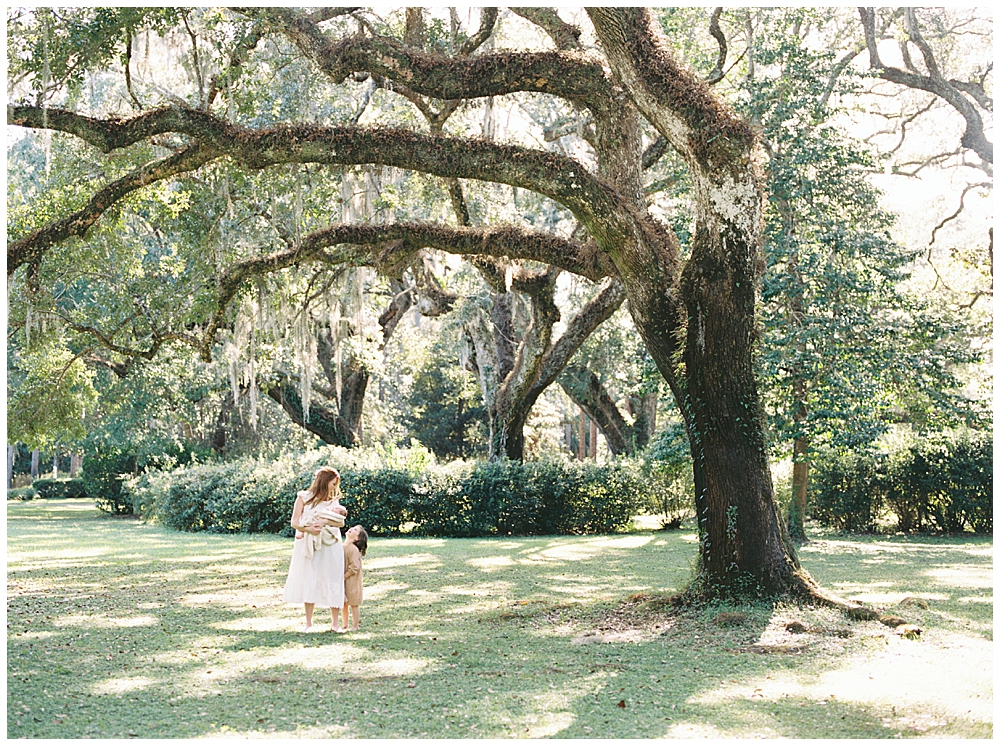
x,y
226,164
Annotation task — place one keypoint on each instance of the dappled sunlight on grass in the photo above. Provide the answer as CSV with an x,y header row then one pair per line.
x,y
488,564
122,685
171,635
960,576
406,560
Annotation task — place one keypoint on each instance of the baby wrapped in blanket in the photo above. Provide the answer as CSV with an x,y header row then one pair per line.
x,y
328,534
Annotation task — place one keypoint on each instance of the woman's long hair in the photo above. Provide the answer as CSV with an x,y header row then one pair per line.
x,y
325,486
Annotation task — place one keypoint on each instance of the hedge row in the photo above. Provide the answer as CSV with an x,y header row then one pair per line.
x,y
55,488
939,483
406,492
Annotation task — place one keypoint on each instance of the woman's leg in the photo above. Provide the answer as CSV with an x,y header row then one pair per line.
x,y
357,616
335,619
309,614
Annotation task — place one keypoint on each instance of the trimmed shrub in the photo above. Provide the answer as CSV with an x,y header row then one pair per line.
x,y
22,493
848,491
392,489
56,488
941,482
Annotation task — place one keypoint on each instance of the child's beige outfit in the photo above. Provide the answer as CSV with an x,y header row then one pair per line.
x,y
353,586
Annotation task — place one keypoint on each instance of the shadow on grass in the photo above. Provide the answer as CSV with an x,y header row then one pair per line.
x,y
119,629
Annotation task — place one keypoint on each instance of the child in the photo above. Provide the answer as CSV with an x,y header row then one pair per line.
x,y
355,546
317,576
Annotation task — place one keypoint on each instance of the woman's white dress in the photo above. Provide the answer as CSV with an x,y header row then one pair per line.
x,y
318,579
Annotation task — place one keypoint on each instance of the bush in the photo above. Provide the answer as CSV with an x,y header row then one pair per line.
x,y
668,471
103,471
942,482
389,490
848,491
56,488
107,466
22,493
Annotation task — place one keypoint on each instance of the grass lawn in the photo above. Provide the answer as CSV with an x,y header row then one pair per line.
x,y
117,629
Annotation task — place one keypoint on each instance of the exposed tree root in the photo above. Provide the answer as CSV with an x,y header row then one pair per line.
x,y
800,588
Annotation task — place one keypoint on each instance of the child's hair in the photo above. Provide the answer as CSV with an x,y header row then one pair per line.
x,y
362,541
325,486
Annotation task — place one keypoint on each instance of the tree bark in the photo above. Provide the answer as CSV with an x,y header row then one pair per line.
x,y
34,465
585,390
744,547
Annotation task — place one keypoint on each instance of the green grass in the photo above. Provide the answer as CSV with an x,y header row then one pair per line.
x,y
119,629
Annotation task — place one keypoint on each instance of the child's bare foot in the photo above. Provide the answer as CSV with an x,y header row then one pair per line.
x,y
307,628
355,627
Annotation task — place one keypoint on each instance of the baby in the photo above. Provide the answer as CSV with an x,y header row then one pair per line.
x,y
329,533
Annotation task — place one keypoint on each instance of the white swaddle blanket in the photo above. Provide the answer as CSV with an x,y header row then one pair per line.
x,y
327,535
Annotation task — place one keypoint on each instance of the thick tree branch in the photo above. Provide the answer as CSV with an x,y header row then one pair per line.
x,y
564,74
487,22
719,71
564,180
392,245
598,309
974,137
31,247
563,35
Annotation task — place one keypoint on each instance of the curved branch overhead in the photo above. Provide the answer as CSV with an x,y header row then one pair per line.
x,y
562,179
31,247
395,244
974,138
565,74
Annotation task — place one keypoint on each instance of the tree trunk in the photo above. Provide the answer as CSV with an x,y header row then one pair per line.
x,y
34,465
800,477
11,452
75,462
800,464
220,435
744,545
55,465
587,392
331,427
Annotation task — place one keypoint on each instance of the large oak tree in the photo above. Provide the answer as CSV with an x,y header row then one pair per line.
x,y
695,312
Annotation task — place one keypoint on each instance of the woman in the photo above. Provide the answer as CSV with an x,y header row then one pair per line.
x,y
317,577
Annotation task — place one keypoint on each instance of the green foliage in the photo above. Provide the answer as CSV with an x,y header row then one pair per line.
x,y
399,490
942,482
22,493
849,490
668,460
58,488
846,348
48,390
377,498
445,410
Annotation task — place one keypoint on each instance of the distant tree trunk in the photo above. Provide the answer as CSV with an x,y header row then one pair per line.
x,y
75,462
593,439
587,392
34,465
800,466
11,452
324,422
220,435
55,465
